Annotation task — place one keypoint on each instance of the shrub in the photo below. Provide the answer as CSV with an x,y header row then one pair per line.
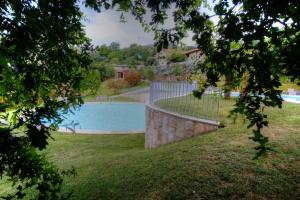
x,y
176,56
148,73
177,70
133,77
90,82
106,72
151,61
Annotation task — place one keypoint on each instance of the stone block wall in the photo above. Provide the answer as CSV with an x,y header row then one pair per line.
x,y
163,127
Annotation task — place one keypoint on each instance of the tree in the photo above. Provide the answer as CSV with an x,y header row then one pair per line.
x,y
269,34
115,56
263,54
148,73
132,55
176,56
151,61
105,72
114,46
103,53
43,52
91,81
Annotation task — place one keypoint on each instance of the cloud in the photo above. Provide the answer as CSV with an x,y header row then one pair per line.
x,y
105,27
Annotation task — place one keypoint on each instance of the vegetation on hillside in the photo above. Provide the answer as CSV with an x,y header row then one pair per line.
x,y
176,55
133,55
145,58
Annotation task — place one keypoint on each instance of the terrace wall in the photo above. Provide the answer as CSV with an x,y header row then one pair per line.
x,y
163,127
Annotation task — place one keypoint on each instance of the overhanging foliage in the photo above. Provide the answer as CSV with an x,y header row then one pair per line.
x,y
43,52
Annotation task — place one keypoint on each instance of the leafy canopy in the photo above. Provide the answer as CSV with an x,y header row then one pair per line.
x,y
43,54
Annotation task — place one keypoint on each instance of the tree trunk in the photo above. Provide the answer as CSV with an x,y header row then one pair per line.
x,y
228,83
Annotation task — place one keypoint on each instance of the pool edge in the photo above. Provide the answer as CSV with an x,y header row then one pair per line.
x,y
104,132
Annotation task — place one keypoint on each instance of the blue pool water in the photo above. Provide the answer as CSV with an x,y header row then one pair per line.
x,y
291,98
107,118
286,97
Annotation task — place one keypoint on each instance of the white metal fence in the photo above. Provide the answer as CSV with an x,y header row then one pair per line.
x,y
178,97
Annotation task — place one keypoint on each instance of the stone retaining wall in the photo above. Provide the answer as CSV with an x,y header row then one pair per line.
x,y
163,127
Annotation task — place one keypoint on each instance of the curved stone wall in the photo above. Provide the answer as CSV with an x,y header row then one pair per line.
x,y
163,127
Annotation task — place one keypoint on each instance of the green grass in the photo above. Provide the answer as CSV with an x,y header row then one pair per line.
x,y
143,84
217,165
205,108
123,99
104,90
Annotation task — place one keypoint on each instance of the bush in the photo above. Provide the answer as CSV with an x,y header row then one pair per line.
x,y
106,72
90,82
116,84
176,56
133,77
148,73
177,70
151,61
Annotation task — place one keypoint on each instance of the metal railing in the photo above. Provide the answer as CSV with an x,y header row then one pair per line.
x,y
178,97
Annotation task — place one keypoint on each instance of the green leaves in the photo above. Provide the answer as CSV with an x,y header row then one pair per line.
x,y
260,53
43,52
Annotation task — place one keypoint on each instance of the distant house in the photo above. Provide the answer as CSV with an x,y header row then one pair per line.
x,y
194,54
121,71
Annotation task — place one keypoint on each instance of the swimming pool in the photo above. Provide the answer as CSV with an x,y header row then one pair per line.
x,y
286,97
291,98
110,117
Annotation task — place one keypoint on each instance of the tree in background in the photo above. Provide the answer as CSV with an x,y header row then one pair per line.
x,y
91,81
115,57
43,55
133,55
151,61
102,53
106,72
114,46
176,55
148,73
137,54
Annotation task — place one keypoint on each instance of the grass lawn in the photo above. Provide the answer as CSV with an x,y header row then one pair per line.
x,y
104,90
217,165
205,108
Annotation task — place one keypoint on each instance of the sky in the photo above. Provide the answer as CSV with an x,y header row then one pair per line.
x,y
105,27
